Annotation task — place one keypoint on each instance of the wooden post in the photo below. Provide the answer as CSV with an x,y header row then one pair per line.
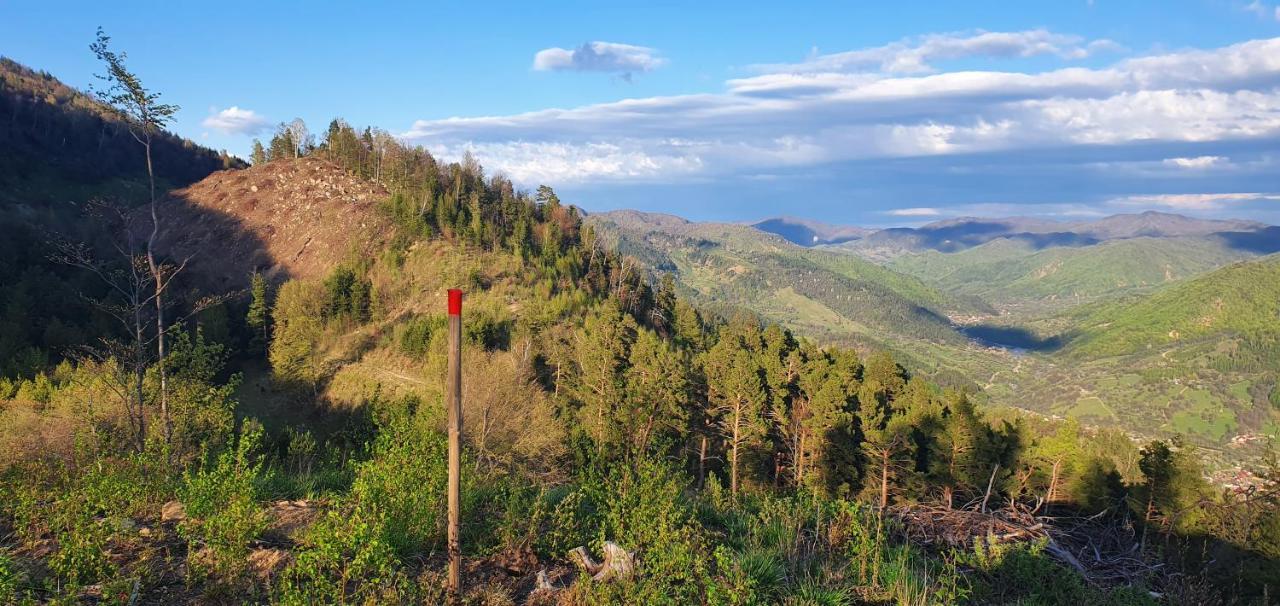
x,y
453,402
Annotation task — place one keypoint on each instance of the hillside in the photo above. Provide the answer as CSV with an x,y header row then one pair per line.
x,y
1008,271
288,218
1240,301
58,144
59,148
827,294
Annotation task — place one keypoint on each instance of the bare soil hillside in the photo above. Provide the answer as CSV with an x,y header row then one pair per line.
x,y
287,219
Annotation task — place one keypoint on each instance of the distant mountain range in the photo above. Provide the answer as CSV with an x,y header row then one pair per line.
x,y
958,234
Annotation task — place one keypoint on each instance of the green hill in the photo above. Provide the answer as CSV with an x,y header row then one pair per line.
x,y
1008,271
826,294
1238,301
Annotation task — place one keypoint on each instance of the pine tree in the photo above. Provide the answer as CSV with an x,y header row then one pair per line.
x,y
259,155
601,350
737,395
258,317
657,391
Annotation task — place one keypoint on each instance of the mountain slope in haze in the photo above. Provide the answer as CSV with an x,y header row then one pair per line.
x,y
286,218
732,266
955,235
1009,271
805,232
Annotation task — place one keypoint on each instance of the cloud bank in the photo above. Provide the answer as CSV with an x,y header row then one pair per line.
x,y
1183,114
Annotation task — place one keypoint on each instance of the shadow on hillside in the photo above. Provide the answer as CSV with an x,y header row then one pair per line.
x,y
1262,242
221,253
1011,337
954,238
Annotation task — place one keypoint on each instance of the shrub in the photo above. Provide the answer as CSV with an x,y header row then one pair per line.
x,y
344,559
221,503
414,337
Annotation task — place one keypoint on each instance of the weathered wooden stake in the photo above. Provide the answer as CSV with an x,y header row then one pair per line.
x,y
453,402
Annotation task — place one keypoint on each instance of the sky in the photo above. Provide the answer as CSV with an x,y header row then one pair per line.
x,y
874,114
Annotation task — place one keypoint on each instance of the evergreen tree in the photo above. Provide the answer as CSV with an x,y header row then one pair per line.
x,y
601,350
259,155
657,392
737,395
258,317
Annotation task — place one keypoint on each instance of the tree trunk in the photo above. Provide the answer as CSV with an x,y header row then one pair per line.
x,y
1053,483
139,374
884,479
702,463
799,462
733,463
158,276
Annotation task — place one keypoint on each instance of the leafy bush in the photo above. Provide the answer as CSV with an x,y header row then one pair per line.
x,y
222,509
344,559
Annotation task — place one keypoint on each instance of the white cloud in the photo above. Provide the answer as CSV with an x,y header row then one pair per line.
x,y
1192,202
923,211
234,120
916,55
1263,10
770,121
1196,163
622,59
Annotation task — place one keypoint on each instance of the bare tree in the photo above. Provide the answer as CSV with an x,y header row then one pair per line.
x,y
145,115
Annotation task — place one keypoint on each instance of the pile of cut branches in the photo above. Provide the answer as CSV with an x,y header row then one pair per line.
x,y
1104,548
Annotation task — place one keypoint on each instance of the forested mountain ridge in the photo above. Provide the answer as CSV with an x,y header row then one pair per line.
x,y
56,140
811,233
60,148
1241,301
1020,309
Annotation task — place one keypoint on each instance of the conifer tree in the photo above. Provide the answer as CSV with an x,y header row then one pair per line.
x,y
258,317
737,397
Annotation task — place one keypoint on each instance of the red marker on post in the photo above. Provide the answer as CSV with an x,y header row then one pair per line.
x,y
453,404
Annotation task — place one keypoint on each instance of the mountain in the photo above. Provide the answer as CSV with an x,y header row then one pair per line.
x,y
58,144
60,148
954,235
805,232
1012,271
730,266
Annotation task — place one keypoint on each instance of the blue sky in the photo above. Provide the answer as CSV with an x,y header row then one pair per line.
x,y
862,113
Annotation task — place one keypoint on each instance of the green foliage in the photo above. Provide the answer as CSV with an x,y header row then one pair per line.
x,y
298,320
9,579
402,485
344,559
347,295
223,514
414,336
258,318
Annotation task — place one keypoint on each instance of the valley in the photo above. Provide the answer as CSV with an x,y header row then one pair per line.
x,y
1154,323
